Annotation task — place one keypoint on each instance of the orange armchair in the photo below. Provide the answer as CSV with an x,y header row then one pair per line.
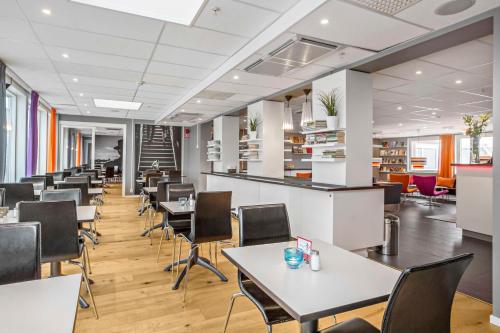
x,y
404,179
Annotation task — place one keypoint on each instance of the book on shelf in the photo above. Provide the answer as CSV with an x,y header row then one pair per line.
x,y
320,138
213,142
314,125
334,153
394,144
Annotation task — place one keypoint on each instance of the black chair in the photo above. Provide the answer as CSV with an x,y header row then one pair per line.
x,y
38,183
153,181
94,171
261,224
15,192
110,173
60,175
420,302
92,175
79,179
20,245
68,194
148,177
49,179
392,196
174,175
211,222
176,223
60,238
84,189
2,197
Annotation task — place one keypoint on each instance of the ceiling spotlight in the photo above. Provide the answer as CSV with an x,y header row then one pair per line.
x,y
419,72
324,21
183,110
85,105
400,108
75,79
46,11
434,113
236,77
65,55
164,122
454,7
88,112
458,81
425,127
80,94
400,124
200,119
198,101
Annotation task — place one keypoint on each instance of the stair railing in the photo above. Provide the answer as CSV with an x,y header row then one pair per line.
x,y
140,148
173,145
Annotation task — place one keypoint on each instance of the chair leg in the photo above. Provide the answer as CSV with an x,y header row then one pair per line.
x,y
87,284
163,231
188,267
86,259
230,309
174,239
269,329
179,257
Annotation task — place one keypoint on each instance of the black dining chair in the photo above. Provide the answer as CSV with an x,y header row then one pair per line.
x,y
38,183
421,301
211,222
68,194
60,238
175,223
174,175
20,246
261,224
84,189
15,192
79,179
49,179
2,197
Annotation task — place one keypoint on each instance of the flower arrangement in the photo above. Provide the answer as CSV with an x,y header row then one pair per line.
x,y
329,101
155,165
253,123
476,125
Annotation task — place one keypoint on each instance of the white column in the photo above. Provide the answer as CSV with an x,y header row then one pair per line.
x,y
226,130
92,162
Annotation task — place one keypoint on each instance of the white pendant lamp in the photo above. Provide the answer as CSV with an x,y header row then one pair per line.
x,y
288,118
306,110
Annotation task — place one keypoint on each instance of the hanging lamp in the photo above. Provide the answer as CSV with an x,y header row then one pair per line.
x,y
306,110
288,116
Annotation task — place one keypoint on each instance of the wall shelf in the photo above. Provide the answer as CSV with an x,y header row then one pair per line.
x,y
324,145
323,130
321,159
250,140
250,160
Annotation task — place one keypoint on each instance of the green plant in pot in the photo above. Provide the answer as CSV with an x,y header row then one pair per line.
x,y
253,123
330,104
475,127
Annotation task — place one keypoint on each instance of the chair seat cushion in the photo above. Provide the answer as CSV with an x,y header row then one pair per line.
x,y
180,225
275,314
445,182
356,325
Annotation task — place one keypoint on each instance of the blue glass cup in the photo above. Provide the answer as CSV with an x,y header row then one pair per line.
x,y
293,257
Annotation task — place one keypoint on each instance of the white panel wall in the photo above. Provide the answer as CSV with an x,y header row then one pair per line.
x,y
226,130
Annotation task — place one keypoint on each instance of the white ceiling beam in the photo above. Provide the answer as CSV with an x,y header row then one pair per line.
x,y
281,25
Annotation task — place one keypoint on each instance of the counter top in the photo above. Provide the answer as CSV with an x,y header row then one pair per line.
x,y
293,182
482,165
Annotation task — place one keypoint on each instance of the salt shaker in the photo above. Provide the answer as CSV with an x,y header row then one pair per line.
x,y
315,262
191,201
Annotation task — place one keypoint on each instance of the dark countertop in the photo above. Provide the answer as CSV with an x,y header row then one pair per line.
x,y
293,182
482,165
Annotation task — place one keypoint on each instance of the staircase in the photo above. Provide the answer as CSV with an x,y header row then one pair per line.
x,y
155,147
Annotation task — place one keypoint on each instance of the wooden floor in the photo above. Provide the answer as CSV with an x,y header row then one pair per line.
x,y
133,293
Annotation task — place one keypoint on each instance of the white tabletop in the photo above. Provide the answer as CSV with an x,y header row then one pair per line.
x,y
140,181
57,182
83,214
175,207
346,280
44,306
150,189
37,192
95,191
96,182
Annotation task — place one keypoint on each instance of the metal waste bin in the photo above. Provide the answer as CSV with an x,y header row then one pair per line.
x,y
391,235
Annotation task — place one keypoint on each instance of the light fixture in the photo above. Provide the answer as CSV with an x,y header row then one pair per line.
x,y
85,105
434,113
458,81
288,116
181,12
88,111
113,104
324,21
454,7
80,94
235,77
400,124
75,79
65,55
200,119
183,110
46,11
198,101
306,110
419,72
400,108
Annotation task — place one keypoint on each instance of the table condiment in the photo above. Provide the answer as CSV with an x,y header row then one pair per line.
x,y
315,262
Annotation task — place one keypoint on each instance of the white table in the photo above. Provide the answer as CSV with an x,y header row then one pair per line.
x,y
346,281
44,306
83,214
97,182
175,207
95,191
152,189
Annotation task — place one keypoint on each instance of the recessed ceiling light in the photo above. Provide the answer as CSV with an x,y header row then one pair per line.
x,y
434,113
458,81
164,122
198,101
88,112
419,72
183,110
75,79
425,127
46,11
324,21
236,77
182,12
80,94
200,119
454,7
113,104
65,55
400,124
85,105
400,108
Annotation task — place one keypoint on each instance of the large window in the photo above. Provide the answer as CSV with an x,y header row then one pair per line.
x,y
427,147
10,172
42,140
463,148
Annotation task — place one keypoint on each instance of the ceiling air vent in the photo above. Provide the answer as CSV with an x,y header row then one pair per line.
x,y
294,53
214,94
389,7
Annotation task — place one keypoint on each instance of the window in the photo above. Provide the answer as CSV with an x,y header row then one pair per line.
x,y
427,147
10,172
42,140
463,148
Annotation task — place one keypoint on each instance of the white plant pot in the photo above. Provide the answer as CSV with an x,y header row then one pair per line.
x,y
332,122
252,135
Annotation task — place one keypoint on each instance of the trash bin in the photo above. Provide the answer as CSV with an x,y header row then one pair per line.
x,y
391,235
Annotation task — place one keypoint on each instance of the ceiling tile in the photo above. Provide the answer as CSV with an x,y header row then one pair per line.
x,y
485,70
11,9
242,89
420,89
343,57
170,90
408,70
246,78
468,81
383,82
16,29
95,71
376,32
187,57
463,56
307,72
388,96
168,80
163,68
237,17
280,6
487,39
98,82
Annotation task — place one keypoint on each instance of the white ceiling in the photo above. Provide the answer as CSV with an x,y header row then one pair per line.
x,y
111,52
407,104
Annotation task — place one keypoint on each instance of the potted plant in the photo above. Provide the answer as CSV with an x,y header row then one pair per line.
x,y
252,125
330,104
475,127
155,165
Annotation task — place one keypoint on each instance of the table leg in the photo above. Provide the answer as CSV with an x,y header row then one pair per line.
x,y
156,226
309,327
55,269
83,303
170,266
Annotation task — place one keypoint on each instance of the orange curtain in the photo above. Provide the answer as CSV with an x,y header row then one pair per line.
x,y
78,149
447,156
51,152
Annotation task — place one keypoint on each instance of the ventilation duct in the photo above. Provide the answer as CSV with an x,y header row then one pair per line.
x,y
388,7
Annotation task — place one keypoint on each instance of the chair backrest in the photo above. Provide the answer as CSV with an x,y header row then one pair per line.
x,y
2,197
90,174
38,183
110,172
84,190
49,179
422,298
392,193
57,176
94,171
67,194
153,181
174,175
15,192
212,217
59,227
263,224
66,174
152,175
404,179
176,191
425,184
20,246
79,179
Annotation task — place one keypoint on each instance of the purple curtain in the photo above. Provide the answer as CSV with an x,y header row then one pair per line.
x,y
32,151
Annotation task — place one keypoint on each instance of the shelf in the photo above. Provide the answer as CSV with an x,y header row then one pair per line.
x,y
377,146
213,153
288,160
292,143
213,160
389,156
250,140
249,150
393,148
287,150
322,145
392,163
323,130
321,159
215,145
252,160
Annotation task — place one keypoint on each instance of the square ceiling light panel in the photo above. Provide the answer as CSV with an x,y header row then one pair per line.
x,y
112,104
181,12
